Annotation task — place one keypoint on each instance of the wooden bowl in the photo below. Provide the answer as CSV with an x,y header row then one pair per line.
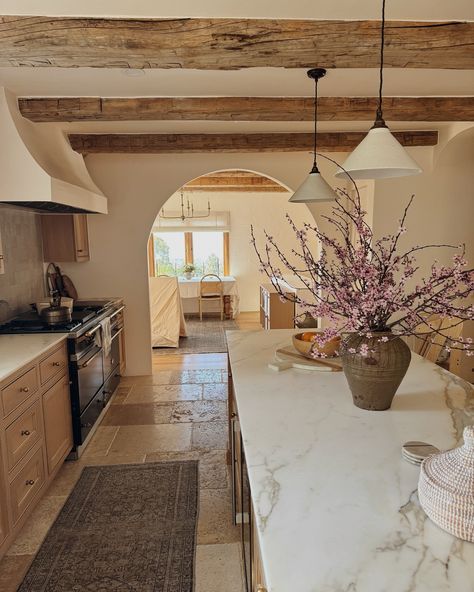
x,y
304,346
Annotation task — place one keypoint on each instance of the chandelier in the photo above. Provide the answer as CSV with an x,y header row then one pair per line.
x,y
187,211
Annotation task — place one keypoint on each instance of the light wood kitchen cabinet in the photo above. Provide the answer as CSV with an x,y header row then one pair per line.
x,y
4,526
65,237
275,314
57,423
35,436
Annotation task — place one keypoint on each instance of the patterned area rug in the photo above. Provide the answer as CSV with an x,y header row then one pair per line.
x,y
204,337
123,528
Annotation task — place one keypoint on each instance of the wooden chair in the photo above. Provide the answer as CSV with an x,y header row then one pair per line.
x,y
430,346
211,290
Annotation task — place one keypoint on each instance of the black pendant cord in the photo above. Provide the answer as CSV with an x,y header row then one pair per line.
x,y
379,121
315,148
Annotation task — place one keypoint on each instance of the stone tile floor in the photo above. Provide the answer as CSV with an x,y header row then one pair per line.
x,y
178,412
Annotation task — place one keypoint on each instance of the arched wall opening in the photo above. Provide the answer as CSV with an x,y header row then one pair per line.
x,y
137,186
238,200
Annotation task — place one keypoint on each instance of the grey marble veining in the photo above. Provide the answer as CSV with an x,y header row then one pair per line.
x,y
336,505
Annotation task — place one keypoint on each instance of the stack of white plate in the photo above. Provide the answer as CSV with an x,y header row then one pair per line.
x,y
416,452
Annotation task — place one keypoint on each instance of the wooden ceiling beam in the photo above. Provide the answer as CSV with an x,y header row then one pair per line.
x,y
250,181
239,189
231,43
244,109
278,142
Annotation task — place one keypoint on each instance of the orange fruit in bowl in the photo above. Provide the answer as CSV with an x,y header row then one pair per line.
x,y
304,343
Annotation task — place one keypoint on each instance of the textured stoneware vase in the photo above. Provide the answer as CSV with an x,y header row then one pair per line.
x,y
375,378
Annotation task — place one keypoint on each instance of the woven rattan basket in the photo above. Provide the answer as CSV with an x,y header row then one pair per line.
x,y
446,488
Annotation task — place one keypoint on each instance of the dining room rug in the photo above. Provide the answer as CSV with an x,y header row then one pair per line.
x,y
123,528
204,337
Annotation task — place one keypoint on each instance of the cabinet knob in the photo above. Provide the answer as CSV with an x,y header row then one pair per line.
x,y
80,250
25,432
56,363
24,389
261,589
30,482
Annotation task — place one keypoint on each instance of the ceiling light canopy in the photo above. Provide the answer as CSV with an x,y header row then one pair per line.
x,y
314,188
380,155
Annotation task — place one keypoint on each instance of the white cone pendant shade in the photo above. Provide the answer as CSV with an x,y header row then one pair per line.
x,y
313,189
379,156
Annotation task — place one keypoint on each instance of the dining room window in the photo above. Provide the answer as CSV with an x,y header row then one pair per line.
x,y
208,251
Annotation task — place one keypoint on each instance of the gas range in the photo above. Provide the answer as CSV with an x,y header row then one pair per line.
x,y
84,313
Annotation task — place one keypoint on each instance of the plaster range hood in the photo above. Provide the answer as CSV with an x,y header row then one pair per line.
x,y
38,168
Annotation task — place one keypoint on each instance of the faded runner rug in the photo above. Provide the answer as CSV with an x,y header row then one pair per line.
x,y
123,528
204,337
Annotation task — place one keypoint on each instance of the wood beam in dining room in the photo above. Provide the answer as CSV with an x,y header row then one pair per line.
x,y
49,109
231,43
266,142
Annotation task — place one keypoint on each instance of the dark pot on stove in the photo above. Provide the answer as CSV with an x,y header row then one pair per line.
x,y
56,315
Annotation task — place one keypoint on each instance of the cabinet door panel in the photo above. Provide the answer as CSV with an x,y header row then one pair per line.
x,y
81,238
26,484
23,434
4,528
57,423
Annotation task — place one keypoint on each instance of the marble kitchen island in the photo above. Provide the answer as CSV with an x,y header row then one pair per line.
x,y
335,505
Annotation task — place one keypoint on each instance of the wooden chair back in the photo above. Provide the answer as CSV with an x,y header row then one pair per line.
x,y
210,287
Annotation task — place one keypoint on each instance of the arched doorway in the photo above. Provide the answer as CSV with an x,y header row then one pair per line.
x,y
206,225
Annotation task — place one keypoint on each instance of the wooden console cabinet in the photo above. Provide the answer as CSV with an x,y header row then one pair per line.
x,y
275,313
65,237
35,436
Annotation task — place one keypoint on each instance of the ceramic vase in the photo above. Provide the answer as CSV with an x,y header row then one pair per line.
x,y
188,275
374,378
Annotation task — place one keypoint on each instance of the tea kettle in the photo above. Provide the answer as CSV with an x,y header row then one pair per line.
x,y
55,314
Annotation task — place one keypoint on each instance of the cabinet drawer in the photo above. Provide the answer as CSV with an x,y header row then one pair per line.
x,y
19,390
53,364
23,434
26,484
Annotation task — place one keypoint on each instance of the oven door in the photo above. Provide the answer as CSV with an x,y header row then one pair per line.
x,y
113,359
90,376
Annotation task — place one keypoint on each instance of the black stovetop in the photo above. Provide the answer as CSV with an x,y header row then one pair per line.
x,y
31,322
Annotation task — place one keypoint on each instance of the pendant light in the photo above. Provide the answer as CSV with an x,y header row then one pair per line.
x,y
314,188
380,155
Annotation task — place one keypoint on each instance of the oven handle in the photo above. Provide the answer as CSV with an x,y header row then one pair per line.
x,y
92,331
117,333
90,359
116,312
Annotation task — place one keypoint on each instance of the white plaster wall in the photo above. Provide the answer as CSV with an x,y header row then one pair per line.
x,y
248,209
137,186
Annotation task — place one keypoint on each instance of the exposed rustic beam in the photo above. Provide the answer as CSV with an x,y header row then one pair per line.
x,y
236,188
224,181
182,143
228,44
245,108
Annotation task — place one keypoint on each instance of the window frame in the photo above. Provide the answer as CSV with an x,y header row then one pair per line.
x,y
189,252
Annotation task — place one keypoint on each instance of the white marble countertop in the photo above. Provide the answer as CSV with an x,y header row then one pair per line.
x,y
336,505
18,350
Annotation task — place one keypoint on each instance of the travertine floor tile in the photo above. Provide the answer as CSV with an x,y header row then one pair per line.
x,y
194,411
66,478
12,571
217,392
143,414
164,393
215,518
121,394
151,438
33,532
114,458
158,377
196,376
218,568
101,441
210,434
